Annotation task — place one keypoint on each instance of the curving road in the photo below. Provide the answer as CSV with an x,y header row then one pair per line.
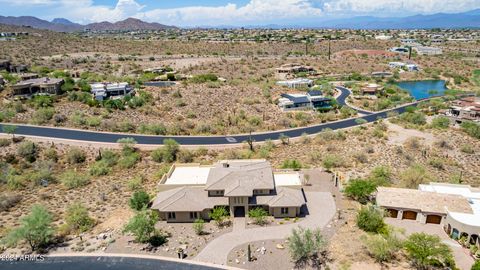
x,y
105,137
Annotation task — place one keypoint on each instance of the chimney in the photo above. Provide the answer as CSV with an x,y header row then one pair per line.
x,y
226,165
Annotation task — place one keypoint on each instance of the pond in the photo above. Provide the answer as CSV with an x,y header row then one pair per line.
x,y
424,89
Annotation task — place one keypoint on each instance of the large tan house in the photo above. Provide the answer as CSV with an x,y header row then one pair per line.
x,y
50,86
191,192
455,207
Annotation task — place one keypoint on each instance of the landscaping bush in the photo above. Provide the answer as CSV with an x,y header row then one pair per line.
x,y
198,226
383,247
370,219
219,214
259,215
36,229
426,251
139,200
72,179
78,219
305,245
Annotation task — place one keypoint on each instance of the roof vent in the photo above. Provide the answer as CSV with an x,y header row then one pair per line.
x,y
226,165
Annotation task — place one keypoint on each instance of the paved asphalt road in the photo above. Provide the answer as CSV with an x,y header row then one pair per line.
x,y
91,136
101,263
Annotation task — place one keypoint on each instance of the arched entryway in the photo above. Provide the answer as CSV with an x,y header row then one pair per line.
x,y
434,219
411,215
455,233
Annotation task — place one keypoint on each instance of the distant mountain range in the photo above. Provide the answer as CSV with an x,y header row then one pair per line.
x,y
64,25
469,19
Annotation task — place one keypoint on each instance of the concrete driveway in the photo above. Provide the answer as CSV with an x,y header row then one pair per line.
x,y
321,208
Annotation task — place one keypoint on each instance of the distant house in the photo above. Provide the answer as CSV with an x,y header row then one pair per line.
x,y
424,50
465,109
402,65
371,89
48,86
102,91
399,50
380,74
312,100
190,192
408,41
296,83
295,68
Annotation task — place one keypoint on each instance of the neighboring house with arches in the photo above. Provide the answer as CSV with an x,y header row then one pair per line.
x,y
455,207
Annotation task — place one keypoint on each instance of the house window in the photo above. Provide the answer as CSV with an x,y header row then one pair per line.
x,y
284,210
193,215
171,215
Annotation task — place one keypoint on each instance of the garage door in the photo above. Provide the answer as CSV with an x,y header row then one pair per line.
x,y
434,219
393,213
409,215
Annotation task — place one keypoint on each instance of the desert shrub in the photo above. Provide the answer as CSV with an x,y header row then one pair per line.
x,y
36,229
471,128
203,78
360,190
414,175
381,175
383,247
219,214
93,121
9,201
441,122
467,149
28,151
305,245
42,116
41,101
78,219
426,251
5,142
129,161
198,226
292,164
75,156
139,200
109,157
135,183
168,153
416,118
99,168
370,219
72,179
259,215
185,156
154,129
332,161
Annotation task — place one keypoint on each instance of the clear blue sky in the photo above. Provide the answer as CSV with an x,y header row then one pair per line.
x,y
226,12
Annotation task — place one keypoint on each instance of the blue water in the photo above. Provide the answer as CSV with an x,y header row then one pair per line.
x,y
421,89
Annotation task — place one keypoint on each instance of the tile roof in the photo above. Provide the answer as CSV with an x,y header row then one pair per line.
x,y
186,199
285,197
424,201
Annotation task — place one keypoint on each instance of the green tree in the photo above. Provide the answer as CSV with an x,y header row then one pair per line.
x,y
476,265
370,219
427,250
198,226
142,226
36,229
360,190
219,214
259,215
414,175
305,245
78,219
381,175
139,200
